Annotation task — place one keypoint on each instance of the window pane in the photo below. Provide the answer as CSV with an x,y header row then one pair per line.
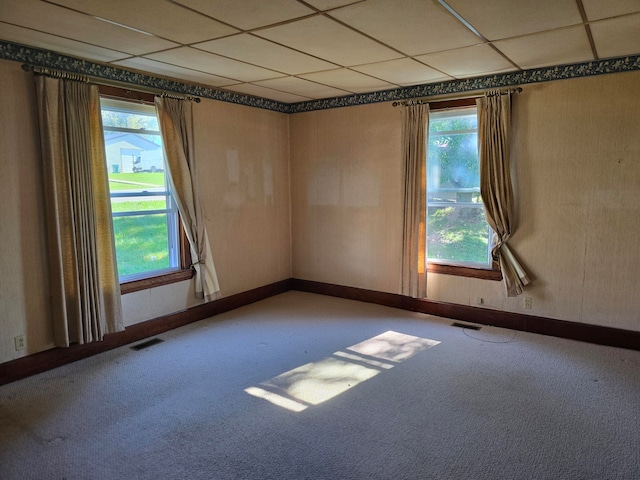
x,y
452,159
456,227
123,117
146,243
463,119
141,243
130,152
458,233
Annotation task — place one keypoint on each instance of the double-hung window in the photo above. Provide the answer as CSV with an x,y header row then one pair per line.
x,y
458,235
145,217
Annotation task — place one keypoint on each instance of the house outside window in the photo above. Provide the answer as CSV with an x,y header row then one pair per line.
x,y
457,232
145,216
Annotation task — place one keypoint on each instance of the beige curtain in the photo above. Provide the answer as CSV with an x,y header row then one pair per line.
x,y
83,277
414,250
176,126
494,126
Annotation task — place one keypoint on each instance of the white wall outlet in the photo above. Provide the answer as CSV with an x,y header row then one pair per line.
x,y
20,342
527,302
479,301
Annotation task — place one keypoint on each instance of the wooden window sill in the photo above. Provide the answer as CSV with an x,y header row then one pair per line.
x,y
166,279
481,273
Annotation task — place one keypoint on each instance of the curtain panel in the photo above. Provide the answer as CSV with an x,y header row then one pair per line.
x,y
176,125
494,128
414,242
83,277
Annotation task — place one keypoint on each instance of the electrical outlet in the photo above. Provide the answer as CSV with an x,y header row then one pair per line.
x,y
20,342
480,301
527,302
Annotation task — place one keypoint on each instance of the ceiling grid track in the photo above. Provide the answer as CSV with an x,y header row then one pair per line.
x,y
473,30
587,28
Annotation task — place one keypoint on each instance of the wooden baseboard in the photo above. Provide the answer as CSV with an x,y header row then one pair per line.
x,y
56,357
49,359
597,334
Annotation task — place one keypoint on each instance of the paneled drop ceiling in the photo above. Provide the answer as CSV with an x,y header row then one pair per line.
x,y
295,50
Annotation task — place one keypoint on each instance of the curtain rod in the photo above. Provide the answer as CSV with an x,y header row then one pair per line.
x,y
79,77
423,100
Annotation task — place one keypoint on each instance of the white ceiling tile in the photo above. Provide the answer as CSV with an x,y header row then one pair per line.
x,y
468,61
263,92
147,65
404,71
66,23
34,38
305,88
324,38
498,19
412,26
247,48
210,63
329,4
556,47
159,17
291,38
598,9
617,36
348,80
247,15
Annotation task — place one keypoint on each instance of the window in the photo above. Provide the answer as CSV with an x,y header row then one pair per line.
x,y
457,232
145,219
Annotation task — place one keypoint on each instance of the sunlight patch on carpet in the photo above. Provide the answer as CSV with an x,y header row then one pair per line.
x,y
392,346
317,382
276,399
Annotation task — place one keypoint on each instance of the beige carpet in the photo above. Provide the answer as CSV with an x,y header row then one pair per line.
x,y
302,386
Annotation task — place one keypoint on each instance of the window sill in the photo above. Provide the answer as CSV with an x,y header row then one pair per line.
x,y
166,279
484,274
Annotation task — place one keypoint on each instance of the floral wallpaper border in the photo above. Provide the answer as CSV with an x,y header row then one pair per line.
x,y
513,79
45,58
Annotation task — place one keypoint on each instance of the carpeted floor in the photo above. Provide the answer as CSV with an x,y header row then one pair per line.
x,y
302,386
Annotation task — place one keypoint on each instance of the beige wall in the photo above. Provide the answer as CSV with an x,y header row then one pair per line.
x,y
243,169
243,156
345,201
577,175
576,149
23,281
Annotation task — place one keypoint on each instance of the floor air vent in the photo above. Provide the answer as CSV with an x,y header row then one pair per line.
x,y
465,325
148,343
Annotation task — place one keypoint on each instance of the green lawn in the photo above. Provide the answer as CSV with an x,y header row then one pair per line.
x,y
141,243
130,181
459,234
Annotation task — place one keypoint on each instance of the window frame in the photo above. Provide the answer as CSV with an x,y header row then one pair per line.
x,y
185,270
450,267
